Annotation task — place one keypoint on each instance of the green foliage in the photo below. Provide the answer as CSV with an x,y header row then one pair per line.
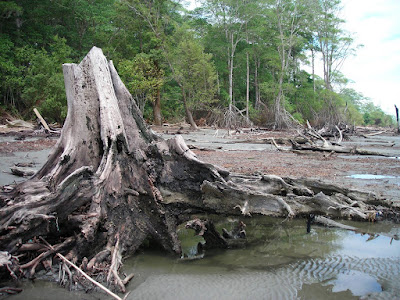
x,y
172,108
44,81
9,72
194,70
142,77
162,50
354,102
374,115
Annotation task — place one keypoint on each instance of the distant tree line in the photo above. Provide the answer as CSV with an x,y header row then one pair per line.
x,y
223,61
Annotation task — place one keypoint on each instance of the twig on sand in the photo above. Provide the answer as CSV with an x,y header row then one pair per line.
x,y
83,273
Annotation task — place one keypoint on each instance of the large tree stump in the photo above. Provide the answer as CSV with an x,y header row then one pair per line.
x,y
110,183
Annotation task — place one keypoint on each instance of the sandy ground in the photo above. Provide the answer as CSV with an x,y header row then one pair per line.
x,y
249,153
238,154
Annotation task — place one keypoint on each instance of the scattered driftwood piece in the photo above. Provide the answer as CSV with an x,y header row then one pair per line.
x,y
22,171
270,140
25,165
340,139
367,135
10,290
39,116
314,133
336,148
331,147
279,148
20,123
46,127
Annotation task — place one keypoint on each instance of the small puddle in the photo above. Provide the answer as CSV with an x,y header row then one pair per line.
x,y
358,283
371,176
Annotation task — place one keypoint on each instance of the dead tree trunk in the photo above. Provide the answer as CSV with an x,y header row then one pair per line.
x,y
110,183
103,178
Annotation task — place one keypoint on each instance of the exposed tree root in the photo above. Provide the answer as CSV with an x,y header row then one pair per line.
x,y
10,290
110,184
213,239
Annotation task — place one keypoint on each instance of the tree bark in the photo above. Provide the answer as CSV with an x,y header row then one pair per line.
x,y
157,109
247,87
188,113
110,184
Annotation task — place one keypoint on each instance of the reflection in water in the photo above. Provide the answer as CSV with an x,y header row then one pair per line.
x,y
358,283
280,261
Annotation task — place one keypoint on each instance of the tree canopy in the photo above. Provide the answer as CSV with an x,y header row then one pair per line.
x,y
243,57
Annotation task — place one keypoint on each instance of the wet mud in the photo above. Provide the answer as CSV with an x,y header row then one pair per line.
x,y
281,261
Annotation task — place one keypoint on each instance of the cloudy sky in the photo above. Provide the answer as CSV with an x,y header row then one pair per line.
x,y
375,69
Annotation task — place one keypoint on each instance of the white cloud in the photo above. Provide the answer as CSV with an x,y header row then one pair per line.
x,y
376,68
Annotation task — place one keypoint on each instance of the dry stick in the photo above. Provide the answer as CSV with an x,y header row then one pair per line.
x,y
115,261
374,133
41,120
312,130
128,278
83,273
340,135
276,145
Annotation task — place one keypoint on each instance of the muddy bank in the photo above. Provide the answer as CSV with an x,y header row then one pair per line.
x,y
251,153
283,255
30,151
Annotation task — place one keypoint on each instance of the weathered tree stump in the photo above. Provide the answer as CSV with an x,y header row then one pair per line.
x,y
110,183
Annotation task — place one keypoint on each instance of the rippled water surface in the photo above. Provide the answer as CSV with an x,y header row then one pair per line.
x,y
280,261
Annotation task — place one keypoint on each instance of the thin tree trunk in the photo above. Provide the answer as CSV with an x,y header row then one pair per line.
x,y
256,87
218,86
313,68
231,80
157,109
189,116
247,88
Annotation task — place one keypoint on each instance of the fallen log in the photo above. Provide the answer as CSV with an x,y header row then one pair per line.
x,y
22,171
335,148
373,134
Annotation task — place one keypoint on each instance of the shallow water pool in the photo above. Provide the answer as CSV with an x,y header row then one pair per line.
x,y
280,261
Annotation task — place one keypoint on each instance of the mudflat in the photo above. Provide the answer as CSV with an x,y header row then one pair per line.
x,y
252,152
